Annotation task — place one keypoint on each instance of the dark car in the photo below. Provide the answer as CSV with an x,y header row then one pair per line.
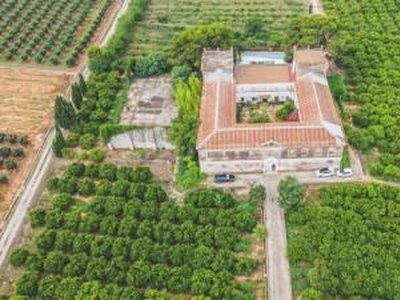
x,y
221,178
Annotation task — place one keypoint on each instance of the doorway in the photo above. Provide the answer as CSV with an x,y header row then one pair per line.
x,y
270,165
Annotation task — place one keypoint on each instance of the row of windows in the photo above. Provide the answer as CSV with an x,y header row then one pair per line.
x,y
292,153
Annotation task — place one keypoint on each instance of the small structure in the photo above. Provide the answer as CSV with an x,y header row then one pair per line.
x,y
151,107
312,136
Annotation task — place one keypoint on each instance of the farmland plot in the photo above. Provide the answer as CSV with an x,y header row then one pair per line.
x,y
165,17
26,109
49,31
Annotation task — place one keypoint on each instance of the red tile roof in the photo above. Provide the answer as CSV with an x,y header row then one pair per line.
x,y
262,73
219,130
326,103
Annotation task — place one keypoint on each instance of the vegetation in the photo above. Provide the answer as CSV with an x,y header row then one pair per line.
x,y
347,31
258,116
284,112
351,237
49,31
152,64
188,45
183,130
11,153
345,161
129,241
64,113
254,23
291,192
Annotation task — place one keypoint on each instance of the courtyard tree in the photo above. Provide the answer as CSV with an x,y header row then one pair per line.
x,y
291,192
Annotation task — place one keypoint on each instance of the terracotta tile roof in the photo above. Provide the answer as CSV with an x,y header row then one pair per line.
x,y
219,130
255,137
262,73
307,102
326,103
310,56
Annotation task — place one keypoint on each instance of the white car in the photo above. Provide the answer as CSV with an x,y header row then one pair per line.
x,y
346,172
325,172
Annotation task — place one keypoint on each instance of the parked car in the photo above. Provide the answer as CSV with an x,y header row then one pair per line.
x,y
221,178
325,172
346,172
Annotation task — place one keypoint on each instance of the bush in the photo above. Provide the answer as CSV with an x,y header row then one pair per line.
x,y
258,116
38,217
180,73
18,257
97,155
72,140
152,64
3,179
286,110
87,141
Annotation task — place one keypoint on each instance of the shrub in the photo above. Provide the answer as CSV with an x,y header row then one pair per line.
x,y
10,164
152,64
38,217
72,139
286,110
87,141
97,155
18,257
3,179
258,116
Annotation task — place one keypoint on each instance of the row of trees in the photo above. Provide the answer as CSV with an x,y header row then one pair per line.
x,y
53,25
140,241
351,238
361,38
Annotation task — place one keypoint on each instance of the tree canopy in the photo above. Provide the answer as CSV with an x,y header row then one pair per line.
x,y
187,46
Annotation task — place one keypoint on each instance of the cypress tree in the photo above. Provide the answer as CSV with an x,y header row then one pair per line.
x,y
64,113
76,95
82,85
59,142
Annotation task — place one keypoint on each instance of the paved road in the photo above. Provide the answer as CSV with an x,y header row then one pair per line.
x,y
26,198
29,191
279,285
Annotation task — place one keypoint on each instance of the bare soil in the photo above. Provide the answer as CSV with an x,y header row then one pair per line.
x,y
26,108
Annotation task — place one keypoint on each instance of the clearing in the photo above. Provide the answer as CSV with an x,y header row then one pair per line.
x,y
26,108
165,17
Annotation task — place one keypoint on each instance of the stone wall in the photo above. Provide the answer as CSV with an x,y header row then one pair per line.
x,y
145,138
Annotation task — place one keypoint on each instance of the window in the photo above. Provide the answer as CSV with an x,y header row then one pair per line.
x,y
214,154
318,152
304,152
292,153
244,154
230,154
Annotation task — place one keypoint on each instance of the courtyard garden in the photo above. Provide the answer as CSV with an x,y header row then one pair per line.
x,y
265,112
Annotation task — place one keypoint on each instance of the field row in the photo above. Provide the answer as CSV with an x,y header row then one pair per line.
x,y
164,18
49,31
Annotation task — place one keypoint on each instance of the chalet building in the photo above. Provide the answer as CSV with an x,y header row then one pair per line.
x,y
312,138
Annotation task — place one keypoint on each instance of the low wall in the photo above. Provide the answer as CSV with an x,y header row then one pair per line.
x,y
144,138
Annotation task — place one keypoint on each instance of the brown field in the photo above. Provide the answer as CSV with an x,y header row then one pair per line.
x,y
26,107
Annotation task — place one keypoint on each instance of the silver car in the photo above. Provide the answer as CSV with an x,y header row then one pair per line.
x,y
325,172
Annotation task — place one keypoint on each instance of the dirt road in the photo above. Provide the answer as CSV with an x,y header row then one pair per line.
x,y
279,285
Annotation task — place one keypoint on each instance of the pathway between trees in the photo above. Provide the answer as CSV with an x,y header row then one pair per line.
x,y
279,285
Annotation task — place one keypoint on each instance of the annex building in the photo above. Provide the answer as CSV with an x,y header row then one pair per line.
x,y
312,137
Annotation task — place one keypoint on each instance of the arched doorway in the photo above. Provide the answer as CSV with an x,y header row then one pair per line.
x,y
270,165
